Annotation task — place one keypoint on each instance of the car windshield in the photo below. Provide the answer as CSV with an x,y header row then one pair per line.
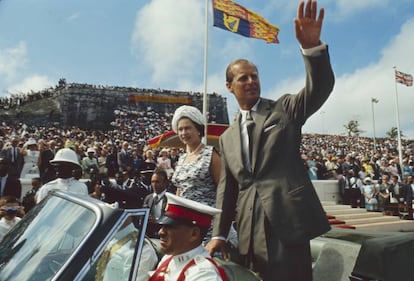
x,y
44,240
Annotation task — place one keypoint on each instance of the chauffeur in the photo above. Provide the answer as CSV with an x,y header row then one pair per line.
x,y
65,162
184,225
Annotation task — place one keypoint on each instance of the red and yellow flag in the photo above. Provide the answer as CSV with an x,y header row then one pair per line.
x,y
237,19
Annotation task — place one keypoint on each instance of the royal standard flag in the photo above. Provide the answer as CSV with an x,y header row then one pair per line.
x,y
237,19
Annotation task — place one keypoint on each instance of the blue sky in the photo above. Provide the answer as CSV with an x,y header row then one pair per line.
x,y
160,44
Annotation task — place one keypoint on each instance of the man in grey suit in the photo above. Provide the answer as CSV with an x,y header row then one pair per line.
x,y
264,185
156,201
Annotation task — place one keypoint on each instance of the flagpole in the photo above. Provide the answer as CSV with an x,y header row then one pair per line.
x,y
373,100
398,120
205,101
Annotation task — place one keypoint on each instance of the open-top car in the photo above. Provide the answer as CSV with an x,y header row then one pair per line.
x,y
71,237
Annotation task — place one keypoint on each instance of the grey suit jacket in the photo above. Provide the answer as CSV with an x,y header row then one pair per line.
x,y
149,201
278,175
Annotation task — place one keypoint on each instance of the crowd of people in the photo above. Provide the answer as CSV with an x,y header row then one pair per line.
x,y
320,152
14,101
325,156
115,168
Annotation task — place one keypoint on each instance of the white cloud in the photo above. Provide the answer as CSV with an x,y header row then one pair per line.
x,y
351,98
33,82
168,39
12,60
339,10
347,8
73,16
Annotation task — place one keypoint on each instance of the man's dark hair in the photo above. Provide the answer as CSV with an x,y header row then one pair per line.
x,y
161,172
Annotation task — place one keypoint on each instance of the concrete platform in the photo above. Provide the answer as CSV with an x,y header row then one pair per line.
x,y
393,226
368,220
348,210
362,219
329,203
358,215
335,205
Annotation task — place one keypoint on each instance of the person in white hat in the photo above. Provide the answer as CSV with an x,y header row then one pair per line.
x,y
164,161
89,162
183,227
30,154
197,172
65,162
369,192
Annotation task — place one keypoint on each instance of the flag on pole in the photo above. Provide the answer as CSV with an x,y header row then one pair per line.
x,y
237,19
374,100
403,78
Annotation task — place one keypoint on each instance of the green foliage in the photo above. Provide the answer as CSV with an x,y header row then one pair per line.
x,y
393,133
352,128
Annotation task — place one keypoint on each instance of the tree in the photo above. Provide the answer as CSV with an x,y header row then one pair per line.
x,y
352,128
393,133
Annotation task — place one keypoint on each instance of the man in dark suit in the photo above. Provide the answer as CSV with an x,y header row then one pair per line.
x,y
145,171
9,184
46,169
15,158
126,191
396,189
125,159
111,162
407,194
156,201
2,150
264,185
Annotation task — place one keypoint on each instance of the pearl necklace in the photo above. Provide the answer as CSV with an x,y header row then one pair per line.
x,y
195,150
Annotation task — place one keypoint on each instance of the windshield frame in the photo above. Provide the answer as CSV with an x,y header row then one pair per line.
x,y
45,231
144,214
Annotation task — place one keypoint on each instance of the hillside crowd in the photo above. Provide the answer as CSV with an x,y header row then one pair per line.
x,y
349,159
326,156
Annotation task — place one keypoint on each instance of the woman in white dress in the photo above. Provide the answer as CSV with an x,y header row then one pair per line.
x,y
31,159
370,193
164,162
198,170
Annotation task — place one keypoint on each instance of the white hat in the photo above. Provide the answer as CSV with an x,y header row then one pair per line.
x,y
164,150
65,155
90,150
180,210
190,112
31,142
367,179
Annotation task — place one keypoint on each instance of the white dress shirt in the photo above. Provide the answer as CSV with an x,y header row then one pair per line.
x,y
156,209
245,135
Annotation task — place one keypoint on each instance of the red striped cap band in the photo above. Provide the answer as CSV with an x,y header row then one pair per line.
x,y
184,214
